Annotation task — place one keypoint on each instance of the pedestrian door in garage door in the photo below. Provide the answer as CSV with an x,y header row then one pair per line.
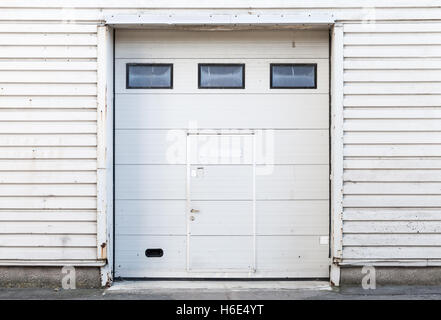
x,y
221,202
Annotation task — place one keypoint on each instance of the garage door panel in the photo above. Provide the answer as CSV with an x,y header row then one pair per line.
x,y
185,76
238,44
150,146
222,182
302,254
154,182
221,253
132,261
153,217
292,182
165,111
291,217
222,218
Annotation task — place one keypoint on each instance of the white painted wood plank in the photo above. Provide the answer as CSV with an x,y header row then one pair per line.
x,y
49,227
390,51
393,27
47,127
48,164
28,253
396,138
381,240
47,215
400,201
396,163
49,39
393,64
392,125
416,175
392,88
59,89
391,100
408,150
65,241
26,190
61,52
392,214
389,253
47,140
61,76
26,202
419,75
361,188
48,177
47,28
66,65
47,152
391,38
47,115
71,102
390,227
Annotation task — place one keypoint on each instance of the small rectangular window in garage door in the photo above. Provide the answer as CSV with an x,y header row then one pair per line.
x,y
293,76
221,76
149,76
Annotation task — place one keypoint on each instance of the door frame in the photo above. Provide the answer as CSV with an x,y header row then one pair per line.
x,y
106,114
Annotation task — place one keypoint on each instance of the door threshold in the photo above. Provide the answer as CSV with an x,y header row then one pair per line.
x,y
133,285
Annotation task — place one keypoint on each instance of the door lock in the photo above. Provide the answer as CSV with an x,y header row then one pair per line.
x,y
194,211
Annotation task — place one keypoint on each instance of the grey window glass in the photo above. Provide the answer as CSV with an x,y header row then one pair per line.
x,y
149,76
293,76
222,76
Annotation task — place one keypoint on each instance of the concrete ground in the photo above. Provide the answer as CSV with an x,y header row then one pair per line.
x,y
220,290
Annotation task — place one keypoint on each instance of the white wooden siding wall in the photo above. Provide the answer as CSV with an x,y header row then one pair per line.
x,y
48,123
48,127
392,111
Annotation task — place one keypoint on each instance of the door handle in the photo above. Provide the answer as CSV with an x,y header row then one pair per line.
x,y
194,211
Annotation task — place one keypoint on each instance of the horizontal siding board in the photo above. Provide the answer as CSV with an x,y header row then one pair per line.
x,y
392,227
392,214
64,241
392,38
47,127
48,253
395,240
392,125
395,252
47,227
47,39
59,76
47,152
390,51
48,165
399,76
48,65
55,102
394,163
365,188
47,190
392,88
380,175
26,202
48,177
430,64
394,150
58,89
395,138
59,52
48,215
47,115
36,140
395,201
366,100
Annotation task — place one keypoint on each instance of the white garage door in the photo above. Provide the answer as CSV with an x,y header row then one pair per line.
x,y
221,154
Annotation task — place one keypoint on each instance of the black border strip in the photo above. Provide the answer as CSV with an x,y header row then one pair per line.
x,y
224,65
128,65
293,64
